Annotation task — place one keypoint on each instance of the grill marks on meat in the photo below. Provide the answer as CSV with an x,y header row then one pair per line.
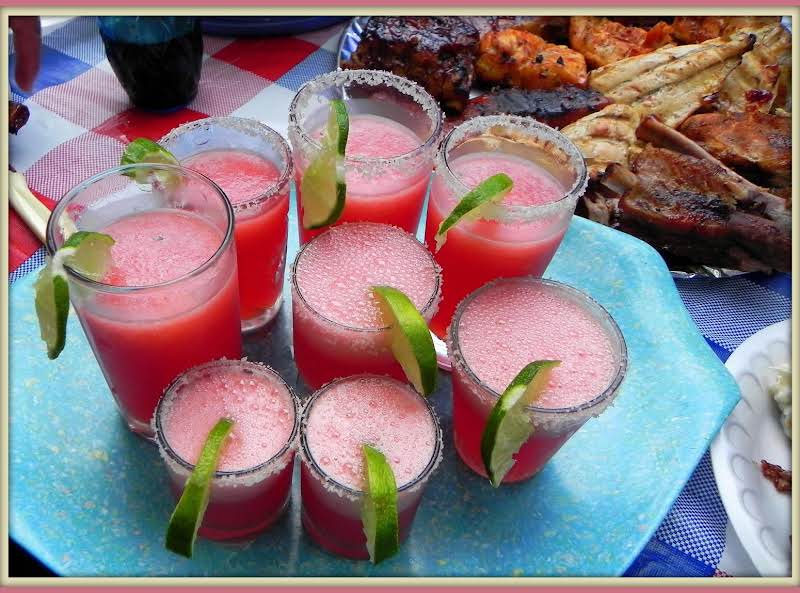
x,y
603,41
682,205
780,478
754,83
436,52
756,145
605,137
671,82
554,107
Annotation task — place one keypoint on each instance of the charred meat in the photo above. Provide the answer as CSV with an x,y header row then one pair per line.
x,y
524,60
554,107
756,145
603,41
780,478
18,116
436,52
551,28
686,206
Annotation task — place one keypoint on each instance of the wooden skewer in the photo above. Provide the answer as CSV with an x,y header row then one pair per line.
x,y
30,209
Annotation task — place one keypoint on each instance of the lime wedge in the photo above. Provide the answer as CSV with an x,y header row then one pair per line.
x,y
379,506
323,187
88,253
188,514
492,189
144,150
509,426
411,340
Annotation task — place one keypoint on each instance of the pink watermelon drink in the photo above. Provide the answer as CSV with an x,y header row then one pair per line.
x,y
337,325
169,300
395,126
509,323
252,164
524,230
337,420
252,485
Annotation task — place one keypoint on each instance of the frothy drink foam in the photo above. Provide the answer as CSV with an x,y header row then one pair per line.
x,y
336,272
511,324
378,411
258,403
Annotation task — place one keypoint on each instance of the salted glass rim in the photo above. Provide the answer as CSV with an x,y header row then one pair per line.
x,y
63,203
370,77
352,492
526,126
434,298
186,378
609,325
276,187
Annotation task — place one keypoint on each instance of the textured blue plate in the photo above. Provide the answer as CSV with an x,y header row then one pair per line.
x,y
89,498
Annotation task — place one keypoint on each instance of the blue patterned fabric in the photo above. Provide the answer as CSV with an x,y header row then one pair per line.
x,y
691,539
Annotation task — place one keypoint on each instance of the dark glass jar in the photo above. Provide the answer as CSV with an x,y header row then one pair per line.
x,y
156,59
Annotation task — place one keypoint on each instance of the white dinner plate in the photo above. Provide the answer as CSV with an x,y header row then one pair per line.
x,y
760,515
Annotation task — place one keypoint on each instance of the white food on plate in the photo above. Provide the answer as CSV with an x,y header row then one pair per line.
x,y
781,392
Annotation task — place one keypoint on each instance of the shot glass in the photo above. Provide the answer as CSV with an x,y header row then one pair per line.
x,y
518,236
337,329
170,299
395,127
252,485
252,164
337,420
549,321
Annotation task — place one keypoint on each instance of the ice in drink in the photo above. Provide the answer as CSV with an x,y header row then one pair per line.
x,y
509,323
337,420
337,325
394,129
169,300
252,485
526,227
252,164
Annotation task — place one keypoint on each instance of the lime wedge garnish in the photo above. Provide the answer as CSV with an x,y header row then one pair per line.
x,y
509,426
411,340
492,189
188,514
88,253
379,506
144,150
323,187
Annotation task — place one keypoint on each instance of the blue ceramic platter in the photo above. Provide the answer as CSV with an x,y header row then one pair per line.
x,y
89,498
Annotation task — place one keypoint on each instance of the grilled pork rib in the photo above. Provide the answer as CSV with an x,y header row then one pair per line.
x,y
754,144
681,205
436,52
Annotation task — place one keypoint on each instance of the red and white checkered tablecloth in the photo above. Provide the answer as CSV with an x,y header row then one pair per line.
x,y
81,119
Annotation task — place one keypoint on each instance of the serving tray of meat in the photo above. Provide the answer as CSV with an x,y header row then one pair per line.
x,y
685,122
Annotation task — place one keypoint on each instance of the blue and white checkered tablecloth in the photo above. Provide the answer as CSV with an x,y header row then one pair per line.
x,y
80,119
692,539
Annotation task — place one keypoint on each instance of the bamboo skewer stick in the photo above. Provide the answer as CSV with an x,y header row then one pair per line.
x,y
30,209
